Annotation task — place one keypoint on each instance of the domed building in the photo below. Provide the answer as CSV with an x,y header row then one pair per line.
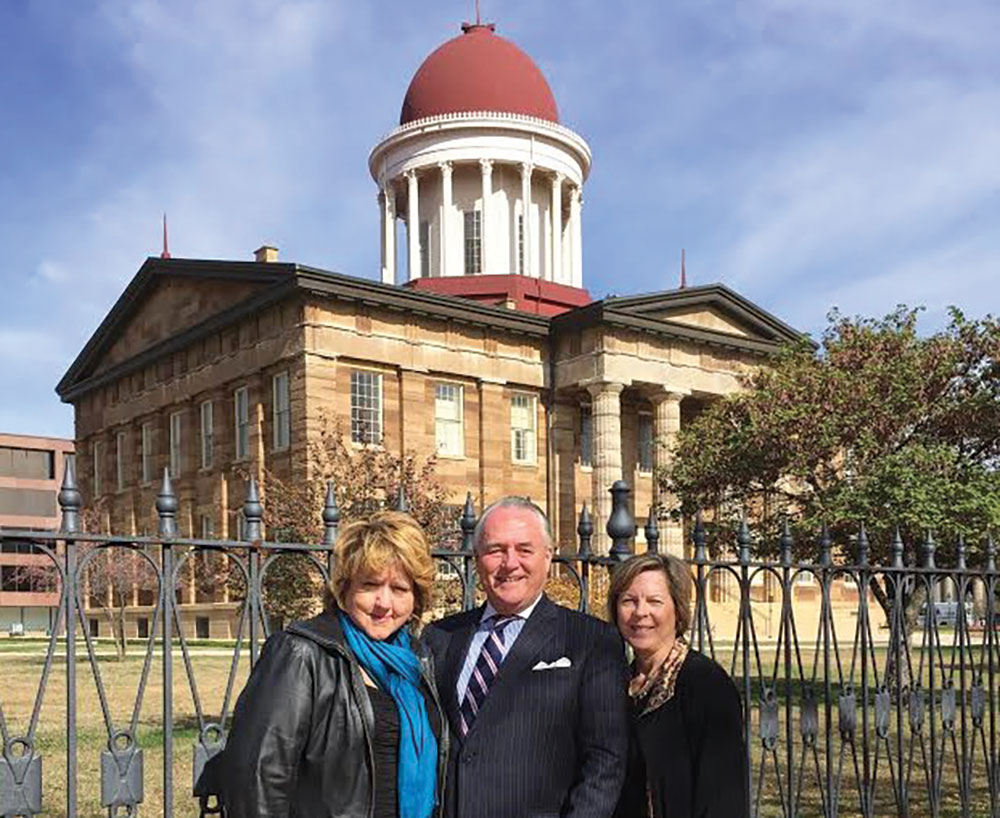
x,y
477,343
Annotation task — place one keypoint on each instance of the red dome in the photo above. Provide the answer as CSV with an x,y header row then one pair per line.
x,y
478,71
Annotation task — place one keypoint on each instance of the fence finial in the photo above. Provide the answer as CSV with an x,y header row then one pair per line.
x,y
166,507
585,530
786,541
331,515
652,531
960,553
467,522
825,546
620,525
252,511
70,499
402,504
743,539
862,544
991,552
896,547
929,548
698,538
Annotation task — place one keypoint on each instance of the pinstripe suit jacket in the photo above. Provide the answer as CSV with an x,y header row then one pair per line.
x,y
545,742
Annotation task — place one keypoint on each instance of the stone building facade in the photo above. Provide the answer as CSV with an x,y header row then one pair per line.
x,y
490,354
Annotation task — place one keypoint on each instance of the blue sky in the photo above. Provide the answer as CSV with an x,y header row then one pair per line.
x,y
808,154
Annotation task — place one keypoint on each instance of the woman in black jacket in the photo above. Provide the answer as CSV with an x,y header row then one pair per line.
x,y
687,758
340,716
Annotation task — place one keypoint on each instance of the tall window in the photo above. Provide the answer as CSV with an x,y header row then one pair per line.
x,y
120,440
522,428
473,241
176,452
280,413
97,452
520,243
646,443
207,434
241,406
366,406
586,437
147,452
425,249
448,419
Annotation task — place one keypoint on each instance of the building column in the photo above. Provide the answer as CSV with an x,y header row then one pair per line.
x,y
556,214
666,426
446,208
607,455
576,236
526,217
485,240
387,200
413,224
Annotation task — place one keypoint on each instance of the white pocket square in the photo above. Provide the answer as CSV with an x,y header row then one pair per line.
x,y
562,662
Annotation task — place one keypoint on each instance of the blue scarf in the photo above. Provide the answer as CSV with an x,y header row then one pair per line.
x,y
393,664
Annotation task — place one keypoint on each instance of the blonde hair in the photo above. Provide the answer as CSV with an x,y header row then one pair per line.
x,y
378,543
679,582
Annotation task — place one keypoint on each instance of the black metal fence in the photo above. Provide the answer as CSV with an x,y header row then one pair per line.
x,y
864,694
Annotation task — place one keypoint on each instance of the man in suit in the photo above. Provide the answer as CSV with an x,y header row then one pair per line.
x,y
534,692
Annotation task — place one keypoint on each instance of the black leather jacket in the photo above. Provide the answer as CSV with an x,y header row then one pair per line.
x,y
301,739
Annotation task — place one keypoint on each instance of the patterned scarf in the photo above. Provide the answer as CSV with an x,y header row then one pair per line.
x,y
657,689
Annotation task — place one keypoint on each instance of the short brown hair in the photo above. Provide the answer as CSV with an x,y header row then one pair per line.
x,y
377,543
678,581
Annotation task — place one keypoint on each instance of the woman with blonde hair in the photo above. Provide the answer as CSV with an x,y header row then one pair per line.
x,y
340,716
687,758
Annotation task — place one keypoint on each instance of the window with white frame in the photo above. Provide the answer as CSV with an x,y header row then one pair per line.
x,y
281,413
473,242
448,419
241,410
523,446
176,452
97,452
646,443
586,436
120,440
207,434
425,249
146,455
366,406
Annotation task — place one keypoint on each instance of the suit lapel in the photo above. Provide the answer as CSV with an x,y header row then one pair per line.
x,y
536,633
458,648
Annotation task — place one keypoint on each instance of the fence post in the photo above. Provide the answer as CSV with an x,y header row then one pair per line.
x,y
897,632
331,521
787,543
402,504
252,513
865,628
743,541
825,561
70,502
652,532
585,530
700,557
166,510
620,525
468,526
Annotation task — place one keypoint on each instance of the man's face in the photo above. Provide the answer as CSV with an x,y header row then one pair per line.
x,y
513,559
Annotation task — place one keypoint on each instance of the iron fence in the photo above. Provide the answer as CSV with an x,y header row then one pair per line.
x,y
886,705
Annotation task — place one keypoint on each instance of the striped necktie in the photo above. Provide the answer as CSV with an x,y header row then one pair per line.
x,y
485,671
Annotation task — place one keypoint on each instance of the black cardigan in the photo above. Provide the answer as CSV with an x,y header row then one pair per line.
x,y
689,750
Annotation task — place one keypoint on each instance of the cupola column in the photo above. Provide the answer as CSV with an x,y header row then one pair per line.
x,y
576,237
387,202
485,239
556,208
413,223
446,208
527,233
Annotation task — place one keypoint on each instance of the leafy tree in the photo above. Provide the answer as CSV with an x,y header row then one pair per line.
x,y
365,480
877,425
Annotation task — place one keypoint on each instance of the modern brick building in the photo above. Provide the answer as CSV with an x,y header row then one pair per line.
x,y
491,353
31,470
